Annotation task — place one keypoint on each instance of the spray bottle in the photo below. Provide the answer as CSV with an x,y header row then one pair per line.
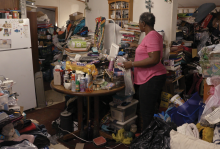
x,y
110,67
73,81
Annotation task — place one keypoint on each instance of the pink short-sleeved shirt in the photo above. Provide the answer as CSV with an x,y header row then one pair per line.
x,y
153,41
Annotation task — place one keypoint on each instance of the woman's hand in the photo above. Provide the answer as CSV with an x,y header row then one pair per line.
x,y
128,65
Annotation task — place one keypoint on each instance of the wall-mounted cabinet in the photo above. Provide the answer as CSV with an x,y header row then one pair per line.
x,y
121,11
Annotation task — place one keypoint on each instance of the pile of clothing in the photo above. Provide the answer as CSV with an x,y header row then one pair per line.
x,y
16,132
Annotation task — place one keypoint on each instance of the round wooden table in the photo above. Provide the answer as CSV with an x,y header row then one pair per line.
x,y
95,94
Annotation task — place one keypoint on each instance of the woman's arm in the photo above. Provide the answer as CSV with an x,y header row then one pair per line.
x,y
152,60
133,44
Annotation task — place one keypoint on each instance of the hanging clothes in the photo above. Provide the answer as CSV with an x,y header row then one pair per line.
x,y
99,32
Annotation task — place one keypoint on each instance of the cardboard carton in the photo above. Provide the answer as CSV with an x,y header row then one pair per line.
x,y
76,16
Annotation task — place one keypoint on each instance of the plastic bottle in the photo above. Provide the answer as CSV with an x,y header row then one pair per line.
x,y
65,77
110,67
77,85
82,84
57,77
61,76
87,80
73,81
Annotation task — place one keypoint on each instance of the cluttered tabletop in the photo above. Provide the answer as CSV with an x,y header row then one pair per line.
x,y
61,89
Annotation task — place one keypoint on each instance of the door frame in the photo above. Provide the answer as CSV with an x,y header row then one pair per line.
x,y
56,12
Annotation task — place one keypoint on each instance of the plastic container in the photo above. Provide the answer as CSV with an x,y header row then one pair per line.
x,y
57,77
4,102
123,113
120,125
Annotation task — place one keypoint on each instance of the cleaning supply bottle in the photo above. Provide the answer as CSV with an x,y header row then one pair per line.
x,y
61,76
77,85
87,80
73,81
65,77
111,63
82,84
57,77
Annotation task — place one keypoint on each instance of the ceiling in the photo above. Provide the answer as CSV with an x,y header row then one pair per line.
x,y
196,3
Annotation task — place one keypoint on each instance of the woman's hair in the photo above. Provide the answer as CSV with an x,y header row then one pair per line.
x,y
148,18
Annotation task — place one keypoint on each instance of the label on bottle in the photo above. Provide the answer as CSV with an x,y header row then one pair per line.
x,y
77,87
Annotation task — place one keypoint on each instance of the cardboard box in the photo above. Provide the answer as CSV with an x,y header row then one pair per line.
x,y
76,16
194,53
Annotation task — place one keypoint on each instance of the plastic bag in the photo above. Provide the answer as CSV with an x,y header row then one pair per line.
x,y
156,136
214,100
180,141
24,144
129,87
203,121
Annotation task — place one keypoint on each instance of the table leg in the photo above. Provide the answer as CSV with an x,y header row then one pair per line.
x,y
96,110
80,112
88,110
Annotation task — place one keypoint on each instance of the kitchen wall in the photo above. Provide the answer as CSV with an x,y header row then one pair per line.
x,y
165,14
65,8
98,8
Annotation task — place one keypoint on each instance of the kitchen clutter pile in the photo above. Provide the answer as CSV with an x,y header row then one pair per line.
x,y
17,131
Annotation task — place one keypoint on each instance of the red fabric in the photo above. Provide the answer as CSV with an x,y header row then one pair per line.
x,y
29,128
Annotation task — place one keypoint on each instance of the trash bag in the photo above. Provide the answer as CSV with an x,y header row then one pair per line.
x,y
155,136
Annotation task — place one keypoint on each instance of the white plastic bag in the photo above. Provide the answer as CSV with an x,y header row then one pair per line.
x,y
129,87
214,100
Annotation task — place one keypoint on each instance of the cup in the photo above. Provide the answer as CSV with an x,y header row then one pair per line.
x,y
67,86
177,100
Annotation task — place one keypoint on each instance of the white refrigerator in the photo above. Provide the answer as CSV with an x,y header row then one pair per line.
x,y
16,59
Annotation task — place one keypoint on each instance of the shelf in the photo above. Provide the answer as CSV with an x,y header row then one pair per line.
x,y
178,78
119,9
121,19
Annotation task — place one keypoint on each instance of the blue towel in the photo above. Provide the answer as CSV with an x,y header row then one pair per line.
x,y
79,26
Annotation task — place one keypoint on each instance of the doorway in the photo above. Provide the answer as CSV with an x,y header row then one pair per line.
x,y
51,11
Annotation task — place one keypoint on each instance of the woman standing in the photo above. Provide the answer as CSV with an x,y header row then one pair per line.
x,y
149,72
